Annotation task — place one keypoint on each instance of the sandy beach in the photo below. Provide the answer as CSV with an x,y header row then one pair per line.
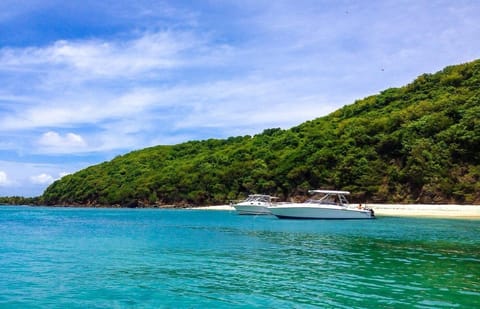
x,y
427,210
405,210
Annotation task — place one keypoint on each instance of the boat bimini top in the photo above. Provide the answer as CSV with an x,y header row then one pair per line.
x,y
330,197
259,198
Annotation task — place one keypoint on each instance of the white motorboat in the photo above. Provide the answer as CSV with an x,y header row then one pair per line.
x,y
255,204
330,205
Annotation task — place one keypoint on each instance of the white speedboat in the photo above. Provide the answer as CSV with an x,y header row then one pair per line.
x,y
255,204
330,205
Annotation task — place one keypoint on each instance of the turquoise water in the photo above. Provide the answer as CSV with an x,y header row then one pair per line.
x,y
119,258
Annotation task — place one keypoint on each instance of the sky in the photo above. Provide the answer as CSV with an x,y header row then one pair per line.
x,y
84,81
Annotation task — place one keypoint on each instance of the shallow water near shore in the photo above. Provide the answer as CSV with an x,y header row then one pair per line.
x,y
144,258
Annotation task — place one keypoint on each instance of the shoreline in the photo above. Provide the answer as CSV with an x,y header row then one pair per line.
x,y
381,210
402,210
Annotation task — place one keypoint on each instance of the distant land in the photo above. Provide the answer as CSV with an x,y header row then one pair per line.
x,y
414,144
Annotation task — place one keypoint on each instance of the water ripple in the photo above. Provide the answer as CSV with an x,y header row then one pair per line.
x,y
168,259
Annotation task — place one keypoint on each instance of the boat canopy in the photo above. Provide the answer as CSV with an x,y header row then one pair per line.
x,y
260,197
332,197
329,192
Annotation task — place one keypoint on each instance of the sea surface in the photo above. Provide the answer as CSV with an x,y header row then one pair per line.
x,y
149,258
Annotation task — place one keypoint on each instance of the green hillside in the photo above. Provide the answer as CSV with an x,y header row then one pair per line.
x,y
417,143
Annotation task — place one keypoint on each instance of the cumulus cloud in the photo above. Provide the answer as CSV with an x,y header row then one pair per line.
x,y
54,139
42,179
4,181
45,178
31,178
62,174
54,142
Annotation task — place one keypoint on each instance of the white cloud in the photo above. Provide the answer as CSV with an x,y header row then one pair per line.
x,y
88,59
84,109
31,179
62,174
42,179
69,141
4,181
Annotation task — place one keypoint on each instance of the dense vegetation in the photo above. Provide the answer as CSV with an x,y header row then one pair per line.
x,y
418,143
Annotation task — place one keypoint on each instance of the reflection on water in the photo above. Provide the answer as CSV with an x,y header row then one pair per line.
x,y
388,269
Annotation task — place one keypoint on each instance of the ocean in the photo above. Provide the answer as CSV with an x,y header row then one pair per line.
x,y
152,258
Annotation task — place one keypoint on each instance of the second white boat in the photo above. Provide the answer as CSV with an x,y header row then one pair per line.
x,y
255,204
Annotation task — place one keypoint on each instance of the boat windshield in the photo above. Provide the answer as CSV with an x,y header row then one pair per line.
x,y
258,198
329,199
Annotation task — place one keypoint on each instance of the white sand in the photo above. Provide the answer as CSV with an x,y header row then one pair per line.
x,y
427,210
405,210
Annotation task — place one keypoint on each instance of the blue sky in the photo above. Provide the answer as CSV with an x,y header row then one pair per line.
x,y
84,81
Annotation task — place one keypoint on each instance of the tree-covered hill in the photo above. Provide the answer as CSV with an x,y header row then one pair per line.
x,y
418,143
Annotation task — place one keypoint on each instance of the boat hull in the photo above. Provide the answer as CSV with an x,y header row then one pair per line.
x,y
302,211
251,209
